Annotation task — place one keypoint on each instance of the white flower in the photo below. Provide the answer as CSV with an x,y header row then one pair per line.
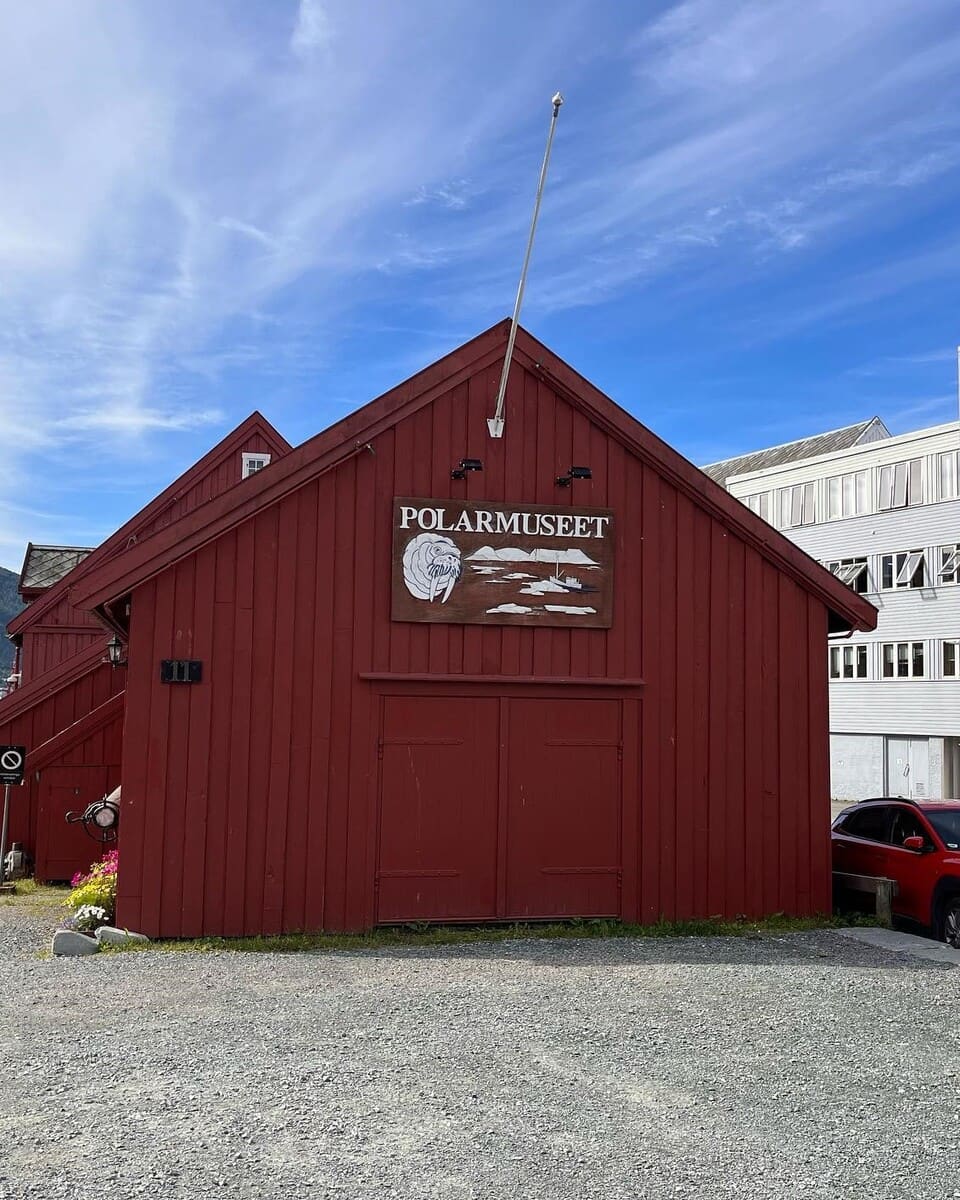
x,y
92,911
88,916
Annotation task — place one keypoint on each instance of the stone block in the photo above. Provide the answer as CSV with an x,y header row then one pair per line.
x,y
69,943
111,936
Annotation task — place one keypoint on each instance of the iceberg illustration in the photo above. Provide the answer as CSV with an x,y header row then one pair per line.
x,y
571,556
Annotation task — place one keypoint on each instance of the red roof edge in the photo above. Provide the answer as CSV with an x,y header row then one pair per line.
x,y
111,580
116,578
67,738
50,682
841,600
256,422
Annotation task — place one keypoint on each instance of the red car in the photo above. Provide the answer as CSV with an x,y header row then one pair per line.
x,y
916,843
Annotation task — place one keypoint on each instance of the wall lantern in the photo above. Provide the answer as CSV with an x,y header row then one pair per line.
x,y
574,473
115,656
466,464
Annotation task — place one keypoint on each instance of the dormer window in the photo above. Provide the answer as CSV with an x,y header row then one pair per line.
x,y
252,463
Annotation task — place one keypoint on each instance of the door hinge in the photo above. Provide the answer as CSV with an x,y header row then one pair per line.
x,y
620,753
380,748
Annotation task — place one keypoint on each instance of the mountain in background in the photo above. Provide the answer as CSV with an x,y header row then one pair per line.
x,y
10,605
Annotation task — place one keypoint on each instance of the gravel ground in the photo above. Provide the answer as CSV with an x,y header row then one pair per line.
x,y
791,1066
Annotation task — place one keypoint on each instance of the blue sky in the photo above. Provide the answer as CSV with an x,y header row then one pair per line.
x,y
751,230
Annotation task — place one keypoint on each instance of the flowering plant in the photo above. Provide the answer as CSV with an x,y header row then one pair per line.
x,y
106,866
96,890
86,918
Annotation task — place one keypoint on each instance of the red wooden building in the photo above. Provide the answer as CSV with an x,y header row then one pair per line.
x,y
442,676
68,709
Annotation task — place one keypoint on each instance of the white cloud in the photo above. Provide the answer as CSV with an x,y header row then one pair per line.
x,y
137,420
454,194
249,231
312,31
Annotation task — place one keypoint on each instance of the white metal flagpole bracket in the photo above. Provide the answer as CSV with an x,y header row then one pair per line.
x,y
495,423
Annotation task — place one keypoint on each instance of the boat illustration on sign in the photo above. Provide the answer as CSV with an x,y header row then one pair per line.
x,y
569,583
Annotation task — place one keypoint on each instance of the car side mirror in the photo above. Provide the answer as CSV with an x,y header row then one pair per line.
x,y
914,843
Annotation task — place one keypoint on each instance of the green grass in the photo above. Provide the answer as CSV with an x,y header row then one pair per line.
x,y
450,935
39,897
43,899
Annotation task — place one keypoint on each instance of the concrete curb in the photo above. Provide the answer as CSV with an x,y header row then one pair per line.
x,y
904,943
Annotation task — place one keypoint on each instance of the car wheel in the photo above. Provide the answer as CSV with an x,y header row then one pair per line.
x,y
950,923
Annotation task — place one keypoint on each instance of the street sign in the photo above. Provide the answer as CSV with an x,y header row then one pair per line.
x,y
12,759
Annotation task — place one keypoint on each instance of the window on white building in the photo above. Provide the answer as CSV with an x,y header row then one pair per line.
x,y
848,662
904,569
951,660
798,505
852,572
947,470
902,660
252,463
949,565
759,503
847,495
900,484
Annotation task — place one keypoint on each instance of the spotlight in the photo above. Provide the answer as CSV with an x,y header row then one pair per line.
x,y
573,473
466,464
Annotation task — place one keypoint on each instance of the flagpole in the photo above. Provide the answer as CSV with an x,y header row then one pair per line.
x,y
495,423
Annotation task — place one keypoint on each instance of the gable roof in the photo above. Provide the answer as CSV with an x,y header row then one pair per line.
x,y
92,722
128,533
872,430
42,687
43,566
112,580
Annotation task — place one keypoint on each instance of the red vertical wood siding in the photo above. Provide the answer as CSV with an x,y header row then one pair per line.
x,y
55,631
223,474
51,714
251,799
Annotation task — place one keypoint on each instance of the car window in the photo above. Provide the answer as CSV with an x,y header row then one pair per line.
x,y
946,822
907,824
872,823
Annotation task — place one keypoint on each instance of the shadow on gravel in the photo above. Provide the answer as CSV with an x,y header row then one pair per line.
x,y
816,949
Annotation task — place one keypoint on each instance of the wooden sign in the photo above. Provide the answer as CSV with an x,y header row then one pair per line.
x,y
477,563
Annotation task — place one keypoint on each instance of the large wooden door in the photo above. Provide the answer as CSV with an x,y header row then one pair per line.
x,y
438,809
64,849
498,809
564,804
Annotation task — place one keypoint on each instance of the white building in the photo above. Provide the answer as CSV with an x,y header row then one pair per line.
x,y
884,514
